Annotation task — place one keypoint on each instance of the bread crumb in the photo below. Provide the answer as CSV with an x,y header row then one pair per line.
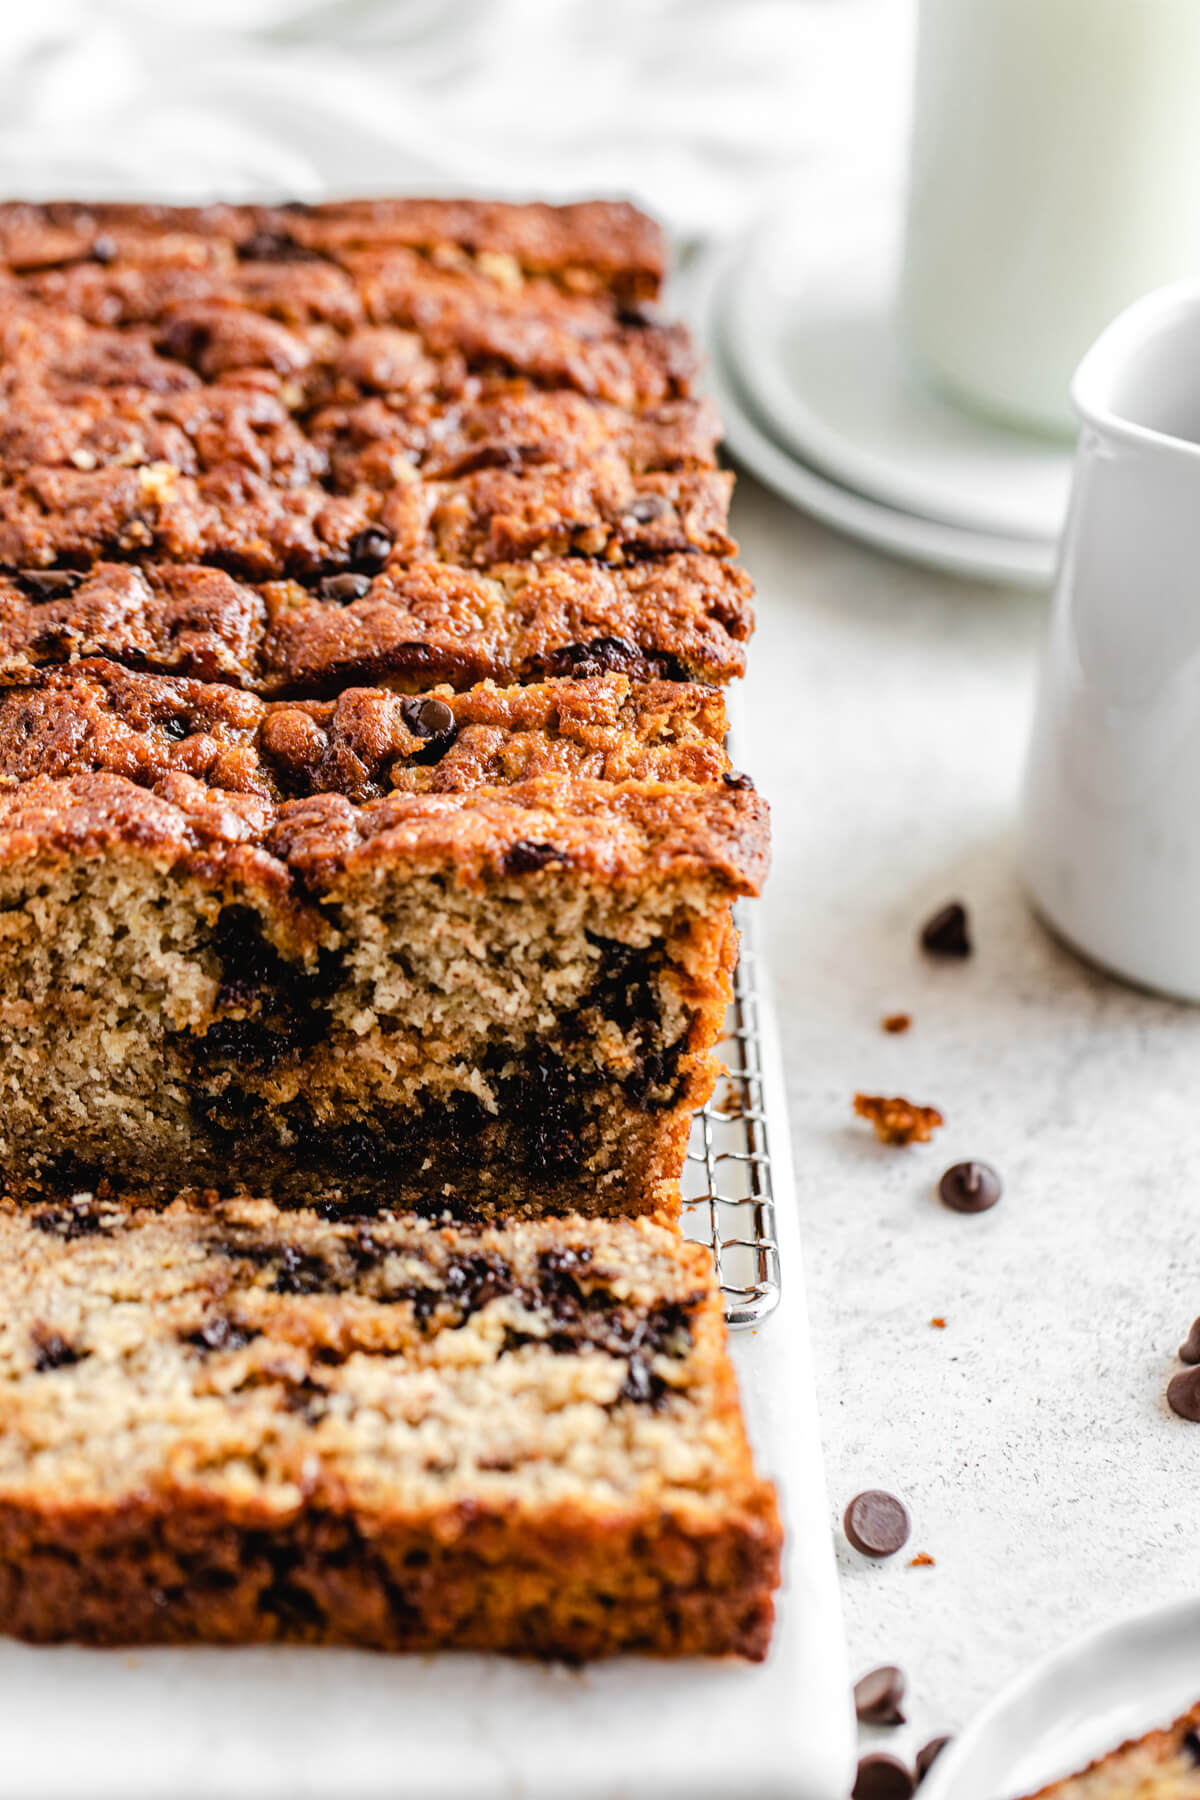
x,y
922,1561
939,1324
897,1022
898,1121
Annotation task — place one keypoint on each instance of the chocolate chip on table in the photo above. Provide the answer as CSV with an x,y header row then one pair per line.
x,y
970,1187
369,549
49,584
427,718
343,588
878,1695
882,1777
946,933
876,1523
1189,1350
928,1754
1183,1395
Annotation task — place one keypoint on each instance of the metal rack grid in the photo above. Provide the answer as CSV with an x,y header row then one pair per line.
x,y
728,1199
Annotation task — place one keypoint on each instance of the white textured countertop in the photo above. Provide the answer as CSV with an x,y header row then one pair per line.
x,y
886,716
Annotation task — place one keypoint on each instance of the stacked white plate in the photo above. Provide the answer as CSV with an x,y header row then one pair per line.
x,y
819,400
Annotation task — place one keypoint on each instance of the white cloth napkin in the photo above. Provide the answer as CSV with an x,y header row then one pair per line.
x,y
707,111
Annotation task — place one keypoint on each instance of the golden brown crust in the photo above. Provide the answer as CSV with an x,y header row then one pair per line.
x,y
98,716
633,833
682,617
608,240
172,1571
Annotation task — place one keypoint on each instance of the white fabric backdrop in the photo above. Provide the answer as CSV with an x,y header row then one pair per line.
x,y
706,110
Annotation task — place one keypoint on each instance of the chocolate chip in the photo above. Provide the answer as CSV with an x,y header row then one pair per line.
x,y
641,315
427,718
369,549
49,584
275,246
525,857
946,933
52,1351
878,1695
876,1523
928,1754
185,339
645,509
599,656
1191,1743
741,784
882,1777
970,1187
1189,1350
1183,1395
343,588
104,250
218,1334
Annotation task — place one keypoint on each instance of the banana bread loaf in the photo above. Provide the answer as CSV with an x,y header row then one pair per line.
x,y
225,1423
465,952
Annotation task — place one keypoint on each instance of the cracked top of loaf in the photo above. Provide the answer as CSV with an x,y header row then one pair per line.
x,y
99,716
257,387
680,616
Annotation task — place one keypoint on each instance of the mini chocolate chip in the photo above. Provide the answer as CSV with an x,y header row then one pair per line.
x,y
946,933
878,1695
970,1187
185,339
1191,1743
876,1523
928,1754
52,1351
427,718
49,584
369,549
882,1777
343,588
275,246
645,509
1183,1395
1189,1350
640,315
525,857
104,250
740,783
219,1334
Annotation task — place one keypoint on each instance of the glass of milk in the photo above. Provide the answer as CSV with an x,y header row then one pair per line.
x,y
1055,177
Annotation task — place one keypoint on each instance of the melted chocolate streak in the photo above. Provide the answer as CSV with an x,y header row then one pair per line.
x,y
544,1107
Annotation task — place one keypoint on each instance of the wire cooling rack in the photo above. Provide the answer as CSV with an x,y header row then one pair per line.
x,y
728,1199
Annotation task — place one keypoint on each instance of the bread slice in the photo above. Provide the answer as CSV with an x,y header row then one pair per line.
x,y
383,950
1163,1765
230,1424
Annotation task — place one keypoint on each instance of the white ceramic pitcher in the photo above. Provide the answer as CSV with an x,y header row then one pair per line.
x,y
1111,812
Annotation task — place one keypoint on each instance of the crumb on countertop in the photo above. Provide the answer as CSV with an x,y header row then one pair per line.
x,y
896,1022
898,1121
922,1560
938,1323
